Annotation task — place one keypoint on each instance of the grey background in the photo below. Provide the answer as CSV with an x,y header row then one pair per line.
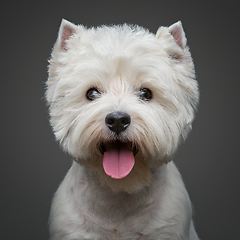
x,y
32,164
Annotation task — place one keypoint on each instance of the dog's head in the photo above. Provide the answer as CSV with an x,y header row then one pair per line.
x,y
121,99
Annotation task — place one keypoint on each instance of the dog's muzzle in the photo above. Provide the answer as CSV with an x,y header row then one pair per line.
x,y
118,155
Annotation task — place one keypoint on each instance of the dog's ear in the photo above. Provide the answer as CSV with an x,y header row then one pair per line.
x,y
178,33
173,40
66,30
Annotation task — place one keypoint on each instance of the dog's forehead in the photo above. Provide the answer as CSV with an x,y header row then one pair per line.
x,y
122,52
120,40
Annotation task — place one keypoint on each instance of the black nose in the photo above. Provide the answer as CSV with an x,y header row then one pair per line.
x,y
117,121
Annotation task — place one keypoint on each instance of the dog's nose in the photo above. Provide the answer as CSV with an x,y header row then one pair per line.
x,y
117,121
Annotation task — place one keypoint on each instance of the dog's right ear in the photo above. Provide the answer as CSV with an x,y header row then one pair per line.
x,y
66,30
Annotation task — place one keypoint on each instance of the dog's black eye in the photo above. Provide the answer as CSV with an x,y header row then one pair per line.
x,y
92,94
145,94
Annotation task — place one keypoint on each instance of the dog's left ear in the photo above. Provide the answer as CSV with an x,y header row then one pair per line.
x,y
176,31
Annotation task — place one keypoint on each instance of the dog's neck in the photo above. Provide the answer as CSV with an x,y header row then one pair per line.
x,y
103,202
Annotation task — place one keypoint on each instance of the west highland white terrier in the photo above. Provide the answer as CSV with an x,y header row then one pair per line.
x,y
121,100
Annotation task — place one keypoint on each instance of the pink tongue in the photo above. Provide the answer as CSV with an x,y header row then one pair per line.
x,y
118,161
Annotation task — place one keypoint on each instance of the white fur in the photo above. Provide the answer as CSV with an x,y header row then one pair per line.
x,y
151,202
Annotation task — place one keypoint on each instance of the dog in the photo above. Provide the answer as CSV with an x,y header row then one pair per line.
x,y
121,100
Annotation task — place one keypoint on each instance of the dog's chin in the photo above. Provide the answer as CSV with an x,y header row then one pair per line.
x,y
134,177
137,179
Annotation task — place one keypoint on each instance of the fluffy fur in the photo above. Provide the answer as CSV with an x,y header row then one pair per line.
x,y
151,202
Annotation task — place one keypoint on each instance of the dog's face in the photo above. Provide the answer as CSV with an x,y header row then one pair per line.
x,y
121,99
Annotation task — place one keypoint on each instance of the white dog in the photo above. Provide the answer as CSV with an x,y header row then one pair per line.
x,y
121,100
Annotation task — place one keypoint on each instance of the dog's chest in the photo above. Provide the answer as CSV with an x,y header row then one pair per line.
x,y
120,231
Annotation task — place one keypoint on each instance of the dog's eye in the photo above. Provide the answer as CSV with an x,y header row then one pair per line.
x,y
145,94
92,94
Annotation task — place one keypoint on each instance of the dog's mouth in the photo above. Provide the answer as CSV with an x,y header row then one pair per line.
x,y
118,158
